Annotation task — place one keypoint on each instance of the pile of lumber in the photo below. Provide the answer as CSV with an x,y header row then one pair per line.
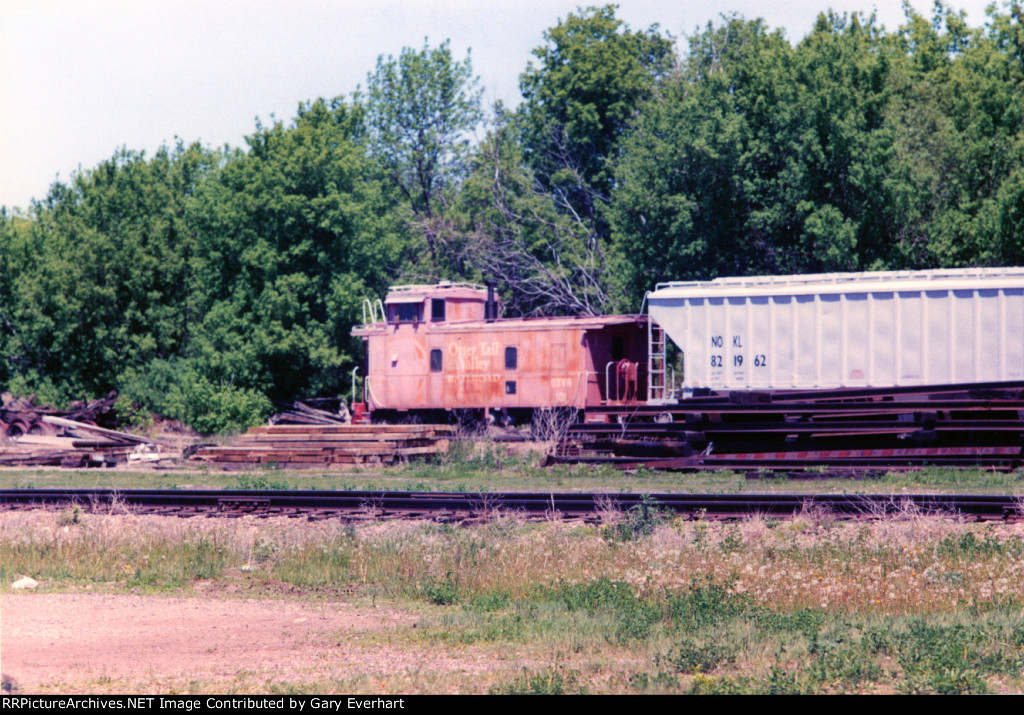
x,y
299,413
69,443
318,446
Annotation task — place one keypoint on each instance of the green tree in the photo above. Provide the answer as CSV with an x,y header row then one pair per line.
x,y
293,234
531,212
510,230
103,274
421,110
14,262
707,182
842,70
1007,34
579,99
959,135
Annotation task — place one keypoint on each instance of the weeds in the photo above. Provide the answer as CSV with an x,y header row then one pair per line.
x,y
70,516
969,546
660,681
639,521
261,482
442,593
688,657
810,605
633,617
704,605
550,426
548,682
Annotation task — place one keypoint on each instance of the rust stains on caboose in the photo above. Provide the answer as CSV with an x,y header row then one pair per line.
x,y
443,347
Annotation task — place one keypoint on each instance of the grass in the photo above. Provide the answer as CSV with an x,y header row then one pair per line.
x,y
484,467
644,604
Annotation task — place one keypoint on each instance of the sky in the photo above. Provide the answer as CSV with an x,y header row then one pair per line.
x,y
80,79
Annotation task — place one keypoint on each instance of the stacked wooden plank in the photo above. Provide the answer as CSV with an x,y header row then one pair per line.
x,y
46,450
319,446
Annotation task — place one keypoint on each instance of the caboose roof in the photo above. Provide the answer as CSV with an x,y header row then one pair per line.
x,y
585,322
831,283
419,293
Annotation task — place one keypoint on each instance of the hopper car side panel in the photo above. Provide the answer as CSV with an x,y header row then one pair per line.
x,y
847,330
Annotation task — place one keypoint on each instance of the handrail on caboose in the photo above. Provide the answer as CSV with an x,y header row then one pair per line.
x,y
607,387
368,397
372,305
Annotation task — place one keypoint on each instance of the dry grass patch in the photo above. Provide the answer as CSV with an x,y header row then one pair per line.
x,y
642,603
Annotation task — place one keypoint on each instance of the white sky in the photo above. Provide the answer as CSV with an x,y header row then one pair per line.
x,y
81,78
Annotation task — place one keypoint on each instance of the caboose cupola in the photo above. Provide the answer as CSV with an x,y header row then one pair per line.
x,y
441,303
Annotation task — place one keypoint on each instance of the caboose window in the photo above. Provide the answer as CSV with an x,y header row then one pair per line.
x,y
511,359
617,352
510,387
436,361
437,310
408,312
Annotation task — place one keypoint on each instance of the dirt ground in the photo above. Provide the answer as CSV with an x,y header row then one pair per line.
x,y
93,643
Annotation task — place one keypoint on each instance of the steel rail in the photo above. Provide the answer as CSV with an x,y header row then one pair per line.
x,y
961,425
462,506
809,408
824,428
975,390
878,460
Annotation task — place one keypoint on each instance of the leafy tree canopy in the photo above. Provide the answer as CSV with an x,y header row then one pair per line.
x,y
579,99
293,235
421,110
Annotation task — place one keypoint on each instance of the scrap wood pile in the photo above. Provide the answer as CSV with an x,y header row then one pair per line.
x,y
300,413
21,416
32,435
317,446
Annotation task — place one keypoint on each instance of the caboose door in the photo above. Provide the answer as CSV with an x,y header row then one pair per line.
x,y
439,387
561,380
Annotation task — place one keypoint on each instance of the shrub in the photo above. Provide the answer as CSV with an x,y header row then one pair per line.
x,y
177,389
688,657
639,521
549,682
131,414
215,409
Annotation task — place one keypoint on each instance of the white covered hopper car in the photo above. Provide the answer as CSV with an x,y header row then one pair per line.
x,y
839,330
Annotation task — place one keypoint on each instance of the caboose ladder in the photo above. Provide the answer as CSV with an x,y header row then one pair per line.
x,y
656,362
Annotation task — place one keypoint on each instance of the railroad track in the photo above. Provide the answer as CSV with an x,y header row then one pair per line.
x,y
863,431
824,464
468,508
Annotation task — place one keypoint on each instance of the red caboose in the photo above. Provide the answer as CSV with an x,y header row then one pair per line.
x,y
431,349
